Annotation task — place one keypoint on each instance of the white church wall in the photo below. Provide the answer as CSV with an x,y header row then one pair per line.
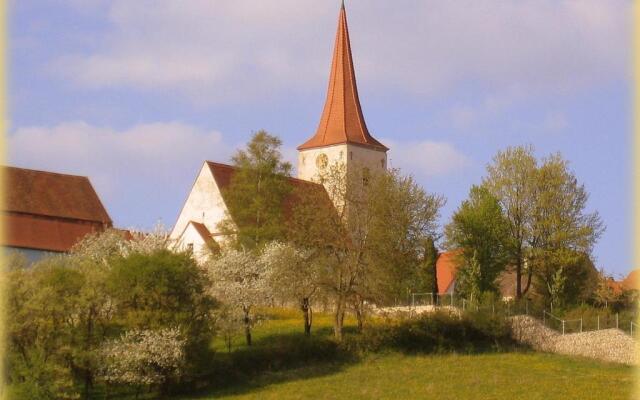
x,y
204,204
348,154
191,237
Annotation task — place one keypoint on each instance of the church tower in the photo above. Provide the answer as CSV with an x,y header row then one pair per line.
x,y
342,135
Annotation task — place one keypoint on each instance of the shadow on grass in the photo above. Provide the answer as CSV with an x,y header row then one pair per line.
x,y
270,361
283,357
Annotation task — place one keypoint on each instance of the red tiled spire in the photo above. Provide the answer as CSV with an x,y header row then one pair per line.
x,y
342,120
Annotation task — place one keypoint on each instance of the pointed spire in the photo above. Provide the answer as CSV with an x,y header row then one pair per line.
x,y
342,120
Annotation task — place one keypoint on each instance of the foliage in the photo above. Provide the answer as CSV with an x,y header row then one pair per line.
x,y
163,290
435,333
545,208
469,279
480,229
257,191
240,280
294,275
144,357
370,245
428,277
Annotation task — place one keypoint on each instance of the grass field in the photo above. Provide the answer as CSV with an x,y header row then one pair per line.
x,y
491,376
390,375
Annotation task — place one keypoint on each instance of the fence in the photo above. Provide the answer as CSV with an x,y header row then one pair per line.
x,y
589,321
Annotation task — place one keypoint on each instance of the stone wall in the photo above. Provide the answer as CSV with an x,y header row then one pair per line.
x,y
611,345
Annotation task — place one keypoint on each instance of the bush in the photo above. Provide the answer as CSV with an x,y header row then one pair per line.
x,y
439,332
165,290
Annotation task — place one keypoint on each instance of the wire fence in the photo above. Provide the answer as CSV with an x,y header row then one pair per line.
x,y
575,321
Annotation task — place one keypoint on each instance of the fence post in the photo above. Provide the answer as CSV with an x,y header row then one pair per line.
x,y
563,327
580,324
526,307
598,322
451,299
493,309
631,328
544,315
617,326
432,303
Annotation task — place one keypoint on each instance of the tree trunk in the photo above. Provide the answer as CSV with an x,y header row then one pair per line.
x,y
359,308
247,327
306,313
519,276
338,320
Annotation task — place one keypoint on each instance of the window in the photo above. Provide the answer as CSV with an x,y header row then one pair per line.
x,y
351,155
366,174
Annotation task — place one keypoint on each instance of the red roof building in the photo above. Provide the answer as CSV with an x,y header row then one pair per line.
x,y
49,212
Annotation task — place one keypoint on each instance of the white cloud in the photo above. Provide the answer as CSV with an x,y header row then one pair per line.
x,y
427,158
122,164
243,49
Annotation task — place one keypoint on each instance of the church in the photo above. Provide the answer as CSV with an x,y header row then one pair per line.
x,y
342,137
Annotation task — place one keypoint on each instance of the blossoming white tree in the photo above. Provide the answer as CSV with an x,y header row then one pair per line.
x,y
294,276
240,280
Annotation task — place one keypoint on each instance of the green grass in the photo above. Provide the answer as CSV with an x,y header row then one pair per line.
x,y
391,375
487,376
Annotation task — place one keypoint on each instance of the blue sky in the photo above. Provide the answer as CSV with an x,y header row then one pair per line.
x,y
136,94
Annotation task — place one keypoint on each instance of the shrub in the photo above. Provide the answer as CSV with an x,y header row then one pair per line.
x,y
144,357
439,332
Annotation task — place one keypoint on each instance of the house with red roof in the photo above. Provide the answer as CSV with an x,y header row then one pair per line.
x,y
47,212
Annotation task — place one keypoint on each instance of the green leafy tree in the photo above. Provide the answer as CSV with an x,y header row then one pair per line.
x,y
469,279
545,209
480,229
371,243
164,290
428,261
257,192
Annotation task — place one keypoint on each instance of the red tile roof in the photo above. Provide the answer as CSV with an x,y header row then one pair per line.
x,y
52,194
446,269
223,175
632,281
202,231
50,211
342,120
45,233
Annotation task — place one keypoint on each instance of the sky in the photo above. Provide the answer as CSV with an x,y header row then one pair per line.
x,y
136,94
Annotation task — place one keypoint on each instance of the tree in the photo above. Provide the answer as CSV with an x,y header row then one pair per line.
x,y
604,294
545,209
164,290
257,191
512,180
370,243
294,276
240,280
469,279
401,217
428,265
480,229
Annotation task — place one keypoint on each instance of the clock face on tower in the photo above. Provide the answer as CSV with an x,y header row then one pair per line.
x,y
321,161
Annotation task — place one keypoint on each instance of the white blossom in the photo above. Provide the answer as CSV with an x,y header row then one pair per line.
x,y
144,357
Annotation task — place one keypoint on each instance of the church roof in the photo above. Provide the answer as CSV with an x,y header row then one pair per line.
x,y
223,174
342,120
